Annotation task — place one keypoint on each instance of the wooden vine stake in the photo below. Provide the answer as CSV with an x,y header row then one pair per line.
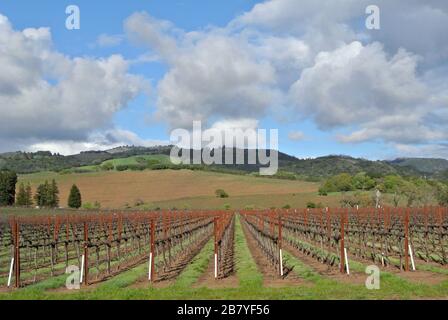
x,y
406,240
17,253
342,248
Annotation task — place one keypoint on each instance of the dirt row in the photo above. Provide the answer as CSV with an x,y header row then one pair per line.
x,y
271,277
418,276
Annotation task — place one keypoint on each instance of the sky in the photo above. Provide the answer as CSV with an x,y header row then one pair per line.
x,y
136,70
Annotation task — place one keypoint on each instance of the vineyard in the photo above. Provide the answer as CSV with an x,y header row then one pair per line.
x,y
283,243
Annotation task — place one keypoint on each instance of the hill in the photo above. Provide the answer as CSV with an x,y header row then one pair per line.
x,y
131,157
30,162
429,166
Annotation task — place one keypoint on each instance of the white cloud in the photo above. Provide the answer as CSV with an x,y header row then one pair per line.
x,y
106,40
294,59
419,26
210,74
242,124
286,59
108,139
296,136
46,96
423,151
361,86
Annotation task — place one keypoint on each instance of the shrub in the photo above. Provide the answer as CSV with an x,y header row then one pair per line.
x,y
152,162
392,184
442,196
136,167
361,181
311,205
227,206
340,183
108,166
221,194
159,166
122,167
287,207
90,206
74,199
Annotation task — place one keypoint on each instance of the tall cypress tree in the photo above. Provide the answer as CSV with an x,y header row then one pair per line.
x,y
41,196
28,195
21,196
74,199
54,191
8,181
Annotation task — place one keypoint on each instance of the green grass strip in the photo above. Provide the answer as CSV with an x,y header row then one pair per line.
x,y
247,272
196,267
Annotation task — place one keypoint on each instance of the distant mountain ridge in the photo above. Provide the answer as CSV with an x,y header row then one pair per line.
x,y
28,162
425,165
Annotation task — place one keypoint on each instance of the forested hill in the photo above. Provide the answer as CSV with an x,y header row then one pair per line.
x,y
25,162
429,166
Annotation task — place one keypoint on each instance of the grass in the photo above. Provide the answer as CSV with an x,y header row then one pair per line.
x,y
249,276
162,159
196,268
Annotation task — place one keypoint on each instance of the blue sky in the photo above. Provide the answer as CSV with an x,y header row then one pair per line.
x,y
309,110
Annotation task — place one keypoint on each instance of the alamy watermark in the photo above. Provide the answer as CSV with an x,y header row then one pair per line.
x,y
206,147
73,281
373,21
373,280
73,21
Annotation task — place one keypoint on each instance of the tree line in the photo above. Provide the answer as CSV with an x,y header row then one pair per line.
x,y
46,195
409,191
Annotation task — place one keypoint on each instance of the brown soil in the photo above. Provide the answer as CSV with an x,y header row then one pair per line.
x,y
324,269
418,276
271,278
208,280
422,277
153,186
166,278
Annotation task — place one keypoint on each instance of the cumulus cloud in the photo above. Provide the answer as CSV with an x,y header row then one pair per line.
x,y
210,74
418,26
288,59
423,151
308,59
362,86
102,140
47,96
296,136
107,40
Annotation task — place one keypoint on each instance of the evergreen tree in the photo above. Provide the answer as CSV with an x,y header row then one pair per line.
x,y
8,181
74,199
54,191
21,196
47,195
28,195
41,196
